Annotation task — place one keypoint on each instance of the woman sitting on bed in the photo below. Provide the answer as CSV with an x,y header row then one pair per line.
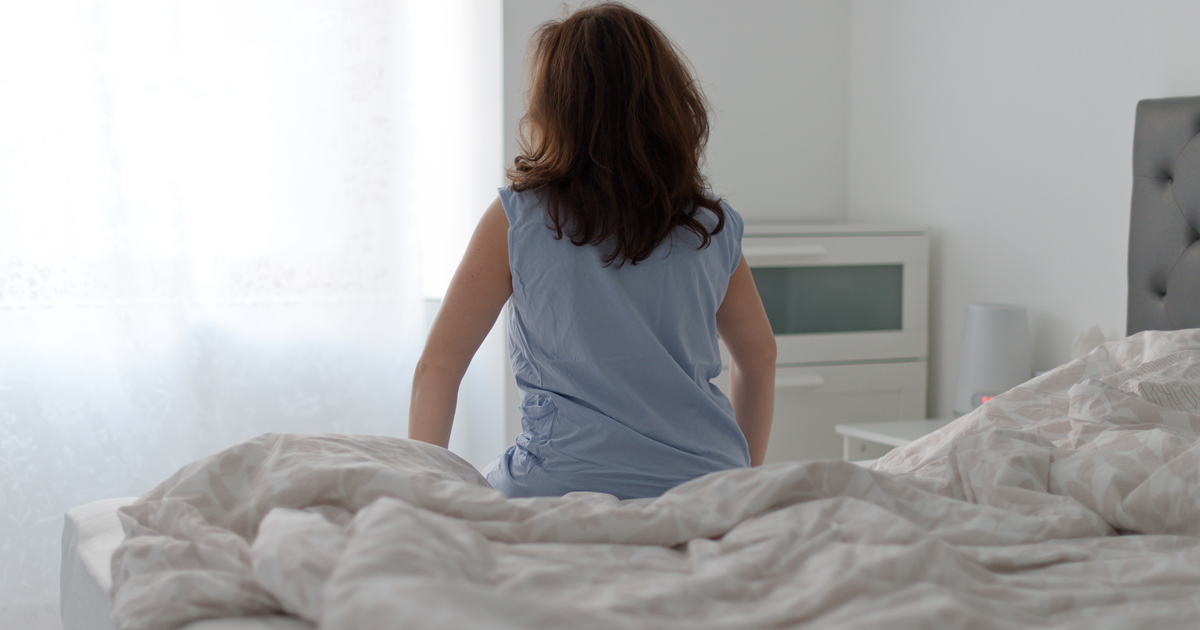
x,y
621,269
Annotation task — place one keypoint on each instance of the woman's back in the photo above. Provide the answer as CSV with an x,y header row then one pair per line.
x,y
614,361
620,266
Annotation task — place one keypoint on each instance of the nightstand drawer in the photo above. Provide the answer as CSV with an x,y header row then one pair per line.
x,y
872,440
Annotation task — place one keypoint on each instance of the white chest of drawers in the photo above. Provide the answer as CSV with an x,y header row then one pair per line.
x,y
849,306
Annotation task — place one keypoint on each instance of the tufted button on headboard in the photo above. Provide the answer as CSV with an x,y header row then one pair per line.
x,y
1164,223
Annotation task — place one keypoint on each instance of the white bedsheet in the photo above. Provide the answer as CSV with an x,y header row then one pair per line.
x,y
1069,502
91,533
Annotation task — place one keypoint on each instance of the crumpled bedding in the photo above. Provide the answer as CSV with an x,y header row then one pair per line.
x,y
1068,502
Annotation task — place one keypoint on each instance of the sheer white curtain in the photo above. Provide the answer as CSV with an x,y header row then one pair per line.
x,y
217,219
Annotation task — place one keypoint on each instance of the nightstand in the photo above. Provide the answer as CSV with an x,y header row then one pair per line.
x,y
870,440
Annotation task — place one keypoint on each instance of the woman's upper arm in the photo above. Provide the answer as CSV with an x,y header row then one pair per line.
x,y
480,287
742,321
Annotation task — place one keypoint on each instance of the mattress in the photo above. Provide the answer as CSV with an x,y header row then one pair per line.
x,y
91,534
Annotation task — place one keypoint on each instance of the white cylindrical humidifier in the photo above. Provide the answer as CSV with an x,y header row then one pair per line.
x,y
995,355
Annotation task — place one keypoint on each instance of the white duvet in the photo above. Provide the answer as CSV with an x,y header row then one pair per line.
x,y
1068,502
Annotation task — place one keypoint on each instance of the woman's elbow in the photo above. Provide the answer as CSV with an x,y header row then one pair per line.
x,y
770,350
765,352
757,357
427,370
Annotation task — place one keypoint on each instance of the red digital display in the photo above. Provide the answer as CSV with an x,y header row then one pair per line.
x,y
983,399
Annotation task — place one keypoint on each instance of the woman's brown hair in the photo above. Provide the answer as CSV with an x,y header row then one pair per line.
x,y
613,134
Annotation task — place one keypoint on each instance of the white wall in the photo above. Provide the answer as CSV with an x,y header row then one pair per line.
x,y
1006,127
775,72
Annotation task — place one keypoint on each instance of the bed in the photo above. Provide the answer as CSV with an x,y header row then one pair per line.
x,y
1071,501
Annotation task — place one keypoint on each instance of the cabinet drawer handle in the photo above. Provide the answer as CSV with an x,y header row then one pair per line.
x,y
787,250
802,380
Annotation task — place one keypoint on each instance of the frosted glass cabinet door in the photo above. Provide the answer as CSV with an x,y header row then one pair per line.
x,y
810,400
841,297
813,299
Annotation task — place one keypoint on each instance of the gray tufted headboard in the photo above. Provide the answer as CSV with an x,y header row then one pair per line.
x,y
1164,223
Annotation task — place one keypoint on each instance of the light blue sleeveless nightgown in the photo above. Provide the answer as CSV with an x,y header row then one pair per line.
x,y
614,363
